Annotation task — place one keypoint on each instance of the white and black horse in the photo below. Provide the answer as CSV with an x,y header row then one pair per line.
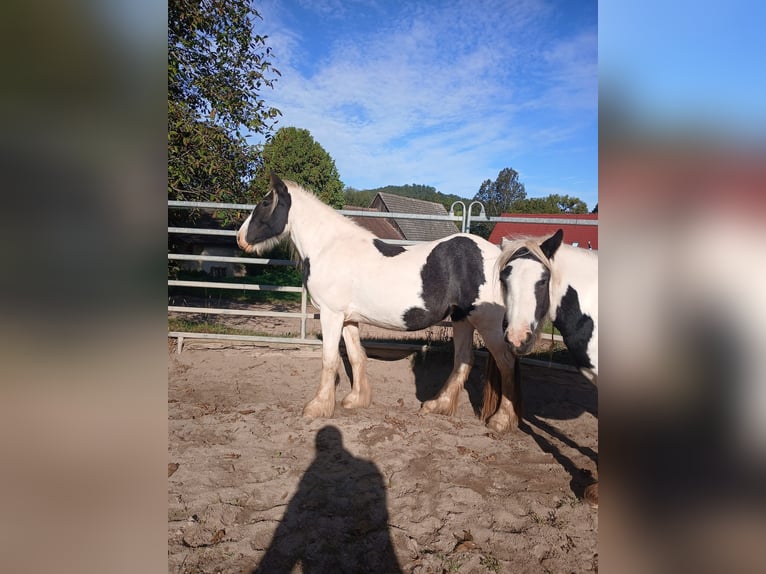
x,y
353,278
546,279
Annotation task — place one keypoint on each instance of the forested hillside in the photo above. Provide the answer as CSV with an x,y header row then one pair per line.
x,y
363,198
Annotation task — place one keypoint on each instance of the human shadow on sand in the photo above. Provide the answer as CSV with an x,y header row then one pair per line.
x,y
338,519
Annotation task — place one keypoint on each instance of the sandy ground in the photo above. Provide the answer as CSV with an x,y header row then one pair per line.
x,y
254,487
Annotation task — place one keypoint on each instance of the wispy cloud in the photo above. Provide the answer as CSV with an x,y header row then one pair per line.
x,y
439,95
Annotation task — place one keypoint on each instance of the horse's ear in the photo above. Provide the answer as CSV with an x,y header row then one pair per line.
x,y
551,245
277,184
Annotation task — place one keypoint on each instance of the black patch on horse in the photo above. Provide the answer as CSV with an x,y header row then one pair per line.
x,y
451,278
524,253
505,273
575,327
265,224
542,295
387,249
306,269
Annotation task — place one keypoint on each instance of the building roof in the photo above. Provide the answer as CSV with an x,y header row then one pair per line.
x,y
379,226
415,229
580,234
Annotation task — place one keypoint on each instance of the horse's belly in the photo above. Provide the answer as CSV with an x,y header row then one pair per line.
x,y
384,320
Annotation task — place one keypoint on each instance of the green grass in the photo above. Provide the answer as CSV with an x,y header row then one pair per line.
x,y
547,329
278,276
203,326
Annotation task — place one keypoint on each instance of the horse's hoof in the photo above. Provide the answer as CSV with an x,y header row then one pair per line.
x,y
351,401
316,409
427,407
591,494
438,407
502,423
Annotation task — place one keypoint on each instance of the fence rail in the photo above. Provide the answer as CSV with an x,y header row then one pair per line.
x,y
466,219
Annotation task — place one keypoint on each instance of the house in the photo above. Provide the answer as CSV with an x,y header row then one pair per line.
x,y
415,229
379,226
578,235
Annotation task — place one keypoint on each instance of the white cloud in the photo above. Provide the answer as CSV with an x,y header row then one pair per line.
x,y
435,96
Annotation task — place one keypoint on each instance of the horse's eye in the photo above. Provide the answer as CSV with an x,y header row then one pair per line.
x,y
541,282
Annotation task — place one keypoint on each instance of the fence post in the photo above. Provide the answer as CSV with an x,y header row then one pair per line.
x,y
452,213
482,214
304,291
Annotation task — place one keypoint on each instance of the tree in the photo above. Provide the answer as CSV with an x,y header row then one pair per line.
x,y
357,198
217,67
293,154
498,196
553,203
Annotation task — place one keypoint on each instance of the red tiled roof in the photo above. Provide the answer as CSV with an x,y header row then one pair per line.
x,y
579,234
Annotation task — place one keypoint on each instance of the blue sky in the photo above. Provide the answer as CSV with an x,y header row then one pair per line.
x,y
442,93
686,63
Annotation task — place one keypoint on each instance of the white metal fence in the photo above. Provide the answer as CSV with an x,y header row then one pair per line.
x,y
465,220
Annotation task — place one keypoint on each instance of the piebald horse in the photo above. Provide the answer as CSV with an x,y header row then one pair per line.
x,y
546,279
354,277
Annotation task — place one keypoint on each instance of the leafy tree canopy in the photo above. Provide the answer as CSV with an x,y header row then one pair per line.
x,y
293,154
553,203
499,195
357,198
217,68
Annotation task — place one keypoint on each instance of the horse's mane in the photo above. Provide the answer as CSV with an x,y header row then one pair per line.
x,y
318,204
513,246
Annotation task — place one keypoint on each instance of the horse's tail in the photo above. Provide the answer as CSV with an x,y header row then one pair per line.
x,y
493,388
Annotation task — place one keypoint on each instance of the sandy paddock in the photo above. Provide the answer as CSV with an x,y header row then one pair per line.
x,y
254,487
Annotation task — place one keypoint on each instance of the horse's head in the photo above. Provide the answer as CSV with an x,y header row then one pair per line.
x,y
525,276
268,223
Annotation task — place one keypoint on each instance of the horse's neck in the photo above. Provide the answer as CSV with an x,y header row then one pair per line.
x,y
575,267
314,225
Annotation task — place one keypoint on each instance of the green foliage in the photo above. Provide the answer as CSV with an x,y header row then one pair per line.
x,y
357,198
280,276
507,195
217,67
497,197
553,203
293,154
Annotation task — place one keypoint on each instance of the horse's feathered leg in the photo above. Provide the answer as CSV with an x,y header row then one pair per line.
x,y
493,389
446,401
323,403
361,394
511,407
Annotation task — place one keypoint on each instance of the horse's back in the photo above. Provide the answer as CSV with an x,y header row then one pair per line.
x,y
422,284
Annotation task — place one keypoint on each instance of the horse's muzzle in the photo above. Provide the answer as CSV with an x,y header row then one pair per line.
x,y
522,347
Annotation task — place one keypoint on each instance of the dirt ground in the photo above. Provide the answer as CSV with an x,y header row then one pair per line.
x,y
254,487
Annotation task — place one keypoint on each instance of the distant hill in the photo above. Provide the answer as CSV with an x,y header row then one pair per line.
x,y
363,198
